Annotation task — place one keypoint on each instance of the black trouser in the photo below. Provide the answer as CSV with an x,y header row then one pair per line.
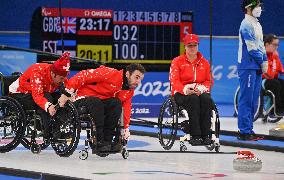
x,y
105,112
277,87
199,111
26,100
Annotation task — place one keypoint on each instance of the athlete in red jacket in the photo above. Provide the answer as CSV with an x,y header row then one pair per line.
x,y
104,91
35,88
271,80
191,81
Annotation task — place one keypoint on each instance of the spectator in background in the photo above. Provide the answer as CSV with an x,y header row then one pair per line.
x,y
271,80
252,61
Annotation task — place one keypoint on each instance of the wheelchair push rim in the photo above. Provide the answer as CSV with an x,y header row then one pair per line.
x,y
168,124
66,129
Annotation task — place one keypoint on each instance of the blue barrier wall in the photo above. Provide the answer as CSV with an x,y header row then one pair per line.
x,y
16,15
15,61
155,87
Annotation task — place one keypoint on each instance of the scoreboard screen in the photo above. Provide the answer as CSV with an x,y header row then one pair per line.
x,y
112,36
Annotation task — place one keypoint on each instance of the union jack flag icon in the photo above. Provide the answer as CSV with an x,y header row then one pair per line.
x,y
68,25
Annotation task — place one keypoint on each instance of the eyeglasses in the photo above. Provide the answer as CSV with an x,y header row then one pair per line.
x,y
191,45
275,45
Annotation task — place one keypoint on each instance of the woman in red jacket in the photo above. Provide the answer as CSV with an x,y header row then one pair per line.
x,y
271,81
191,81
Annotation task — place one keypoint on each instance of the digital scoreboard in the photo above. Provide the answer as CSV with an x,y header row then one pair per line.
x,y
112,36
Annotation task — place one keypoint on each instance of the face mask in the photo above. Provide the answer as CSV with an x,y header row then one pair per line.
x,y
256,12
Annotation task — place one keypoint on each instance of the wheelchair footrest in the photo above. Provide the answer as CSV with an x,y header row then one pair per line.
x,y
113,150
200,144
105,152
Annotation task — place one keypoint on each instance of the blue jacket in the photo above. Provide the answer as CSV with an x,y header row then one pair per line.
x,y
252,52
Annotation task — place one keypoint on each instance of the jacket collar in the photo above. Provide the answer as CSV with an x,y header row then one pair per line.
x,y
48,77
125,85
197,60
251,18
269,54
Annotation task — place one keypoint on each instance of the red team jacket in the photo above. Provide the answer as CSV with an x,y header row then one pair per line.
x,y
36,80
103,83
196,74
274,65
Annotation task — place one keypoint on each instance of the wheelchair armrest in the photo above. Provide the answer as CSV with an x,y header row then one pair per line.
x,y
6,81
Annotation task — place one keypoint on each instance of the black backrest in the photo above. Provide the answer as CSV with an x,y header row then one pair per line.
x,y
6,81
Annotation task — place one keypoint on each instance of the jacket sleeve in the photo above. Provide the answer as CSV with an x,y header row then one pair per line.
x,y
36,81
248,35
88,76
175,77
279,64
279,67
269,72
126,98
281,70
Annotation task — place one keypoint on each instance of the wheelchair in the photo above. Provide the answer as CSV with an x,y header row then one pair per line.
x,y
88,125
12,117
168,124
265,107
24,126
65,131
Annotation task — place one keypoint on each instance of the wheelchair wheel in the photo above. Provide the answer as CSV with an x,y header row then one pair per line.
x,y
236,102
168,123
12,118
125,153
27,138
215,119
83,154
65,130
35,148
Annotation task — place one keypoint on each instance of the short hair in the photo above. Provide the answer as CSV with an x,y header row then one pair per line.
x,y
269,38
135,66
253,4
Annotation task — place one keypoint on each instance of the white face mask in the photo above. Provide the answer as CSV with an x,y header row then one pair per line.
x,y
256,12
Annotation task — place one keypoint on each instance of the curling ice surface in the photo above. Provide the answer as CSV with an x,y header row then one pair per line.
x,y
143,166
